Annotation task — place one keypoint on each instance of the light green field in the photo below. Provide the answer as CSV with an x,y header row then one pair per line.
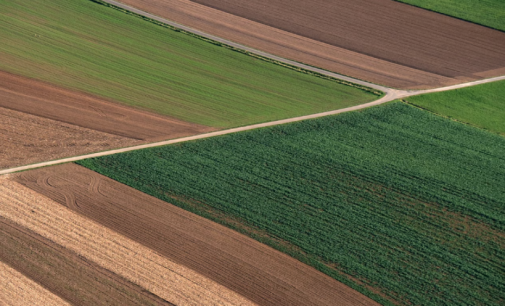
x,y
482,106
83,45
490,13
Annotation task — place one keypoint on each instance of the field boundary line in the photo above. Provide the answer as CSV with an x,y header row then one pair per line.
x,y
250,51
393,94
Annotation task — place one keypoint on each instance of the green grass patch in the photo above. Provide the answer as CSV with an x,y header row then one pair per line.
x,y
490,13
482,106
83,45
406,206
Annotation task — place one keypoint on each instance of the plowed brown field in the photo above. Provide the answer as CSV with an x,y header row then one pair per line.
x,y
382,41
253,270
104,257
48,101
65,273
40,122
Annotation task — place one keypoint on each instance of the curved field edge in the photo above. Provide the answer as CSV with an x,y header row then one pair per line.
x,y
488,13
220,44
429,189
481,106
138,63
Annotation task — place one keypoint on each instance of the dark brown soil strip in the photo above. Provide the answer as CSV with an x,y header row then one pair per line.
x,y
383,29
257,272
84,110
66,274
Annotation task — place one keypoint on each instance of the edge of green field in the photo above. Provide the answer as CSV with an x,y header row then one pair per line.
x,y
421,181
482,106
487,13
220,44
94,47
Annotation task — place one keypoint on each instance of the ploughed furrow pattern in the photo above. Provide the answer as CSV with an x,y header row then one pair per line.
x,y
84,110
288,45
257,272
383,29
27,139
65,273
18,290
97,245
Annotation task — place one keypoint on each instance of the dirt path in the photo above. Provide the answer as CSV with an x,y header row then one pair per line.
x,y
325,34
241,264
390,96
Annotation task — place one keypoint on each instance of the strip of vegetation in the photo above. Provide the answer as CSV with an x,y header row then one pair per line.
x,y
220,44
489,13
403,205
81,45
482,106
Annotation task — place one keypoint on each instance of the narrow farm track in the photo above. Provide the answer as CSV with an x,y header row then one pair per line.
x,y
392,94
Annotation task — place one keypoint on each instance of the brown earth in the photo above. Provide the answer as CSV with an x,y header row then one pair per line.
x,y
84,110
253,270
381,41
115,253
27,139
66,274
18,290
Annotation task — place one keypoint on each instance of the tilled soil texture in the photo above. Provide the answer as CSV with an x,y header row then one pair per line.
x,y
104,247
18,290
27,139
48,101
66,274
381,41
253,270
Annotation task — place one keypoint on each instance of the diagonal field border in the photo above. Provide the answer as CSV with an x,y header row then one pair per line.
x,y
390,96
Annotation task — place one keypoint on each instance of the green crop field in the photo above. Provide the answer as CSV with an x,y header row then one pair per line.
x,y
83,45
406,206
490,13
482,106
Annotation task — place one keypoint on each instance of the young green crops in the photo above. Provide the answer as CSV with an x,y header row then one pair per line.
x,y
392,199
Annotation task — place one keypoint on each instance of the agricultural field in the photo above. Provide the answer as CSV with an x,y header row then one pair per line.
x,y
85,46
400,204
384,29
490,13
482,106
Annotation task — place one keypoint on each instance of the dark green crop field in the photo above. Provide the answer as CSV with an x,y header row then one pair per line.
x,y
490,13
83,45
482,106
403,205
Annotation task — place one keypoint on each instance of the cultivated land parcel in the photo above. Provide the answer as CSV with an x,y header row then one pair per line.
x,y
490,13
392,200
82,45
482,106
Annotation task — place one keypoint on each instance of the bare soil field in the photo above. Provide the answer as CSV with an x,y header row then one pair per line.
x,y
64,273
253,270
28,139
104,257
80,109
381,41
17,289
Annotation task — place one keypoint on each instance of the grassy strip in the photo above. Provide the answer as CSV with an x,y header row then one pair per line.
x,y
81,45
489,13
406,206
482,106
266,59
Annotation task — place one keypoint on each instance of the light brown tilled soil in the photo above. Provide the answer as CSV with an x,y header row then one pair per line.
x,y
253,270
27,139
104,247
66,274
18,290
48,101
381,41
